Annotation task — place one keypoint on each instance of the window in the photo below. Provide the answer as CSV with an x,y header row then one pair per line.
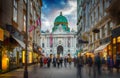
x,y
25,1
103,32
98,12
118,39
103,6
91,19
109,29
24,18
43,45
31,9
15,11
34,15
68,42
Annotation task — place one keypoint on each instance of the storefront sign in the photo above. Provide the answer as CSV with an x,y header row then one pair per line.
x,y
1,34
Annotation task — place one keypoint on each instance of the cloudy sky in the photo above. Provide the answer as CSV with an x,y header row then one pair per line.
x,y
52,8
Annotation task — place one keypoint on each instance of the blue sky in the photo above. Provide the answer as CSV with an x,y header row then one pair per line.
x,y
52,8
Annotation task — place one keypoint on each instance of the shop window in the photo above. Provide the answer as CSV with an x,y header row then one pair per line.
x,y
118,39
114,40
114,50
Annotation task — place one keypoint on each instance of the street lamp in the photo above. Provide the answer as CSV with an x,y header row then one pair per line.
x,y
26,36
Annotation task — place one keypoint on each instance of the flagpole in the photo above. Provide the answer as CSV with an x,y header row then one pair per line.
x,y
25,69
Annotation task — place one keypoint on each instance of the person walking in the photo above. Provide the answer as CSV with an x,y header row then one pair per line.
x,y
54,61
41,61
61,61
65,61
69,61
48,62
74,60
98,63
110,63
45,61
90,63
118,61
103,63
79,66
58,62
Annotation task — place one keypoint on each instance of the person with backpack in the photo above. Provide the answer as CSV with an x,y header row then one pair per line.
x,y
69,61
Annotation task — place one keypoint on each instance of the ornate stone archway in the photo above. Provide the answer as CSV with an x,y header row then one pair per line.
x,y
60,49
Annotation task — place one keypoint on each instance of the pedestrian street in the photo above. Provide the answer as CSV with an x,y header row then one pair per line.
x,y
34,71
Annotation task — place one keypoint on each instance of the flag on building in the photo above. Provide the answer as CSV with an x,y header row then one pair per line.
x,y
38,22
31,28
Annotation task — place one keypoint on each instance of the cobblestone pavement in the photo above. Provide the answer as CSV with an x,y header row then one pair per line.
x,y
36,72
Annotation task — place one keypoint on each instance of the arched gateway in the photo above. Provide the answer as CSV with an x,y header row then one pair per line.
x,y
60,49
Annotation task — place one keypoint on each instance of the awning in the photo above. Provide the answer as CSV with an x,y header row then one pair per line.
x,y
83,53
100,48
22,44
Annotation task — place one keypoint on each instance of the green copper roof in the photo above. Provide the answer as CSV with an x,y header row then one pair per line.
x,y
61,19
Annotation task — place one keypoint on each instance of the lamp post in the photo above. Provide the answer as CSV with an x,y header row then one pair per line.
x,y
26,36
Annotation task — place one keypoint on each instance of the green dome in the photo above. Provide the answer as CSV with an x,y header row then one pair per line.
x,y
60,20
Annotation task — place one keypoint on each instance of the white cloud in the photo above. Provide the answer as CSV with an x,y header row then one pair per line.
x,y
70,11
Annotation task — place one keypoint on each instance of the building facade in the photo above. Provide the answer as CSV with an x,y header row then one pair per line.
x,y
13,29
94,25
113,12
60,41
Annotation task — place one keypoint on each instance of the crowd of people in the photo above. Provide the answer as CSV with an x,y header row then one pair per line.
x,y
98,63
94,65
55,62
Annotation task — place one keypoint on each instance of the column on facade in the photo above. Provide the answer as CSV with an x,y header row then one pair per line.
x,y
92,37
101,8
47,42
95,36
106,30
44,42
100,33
75,42
66,42
72,42
89,37
97,13
53,42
